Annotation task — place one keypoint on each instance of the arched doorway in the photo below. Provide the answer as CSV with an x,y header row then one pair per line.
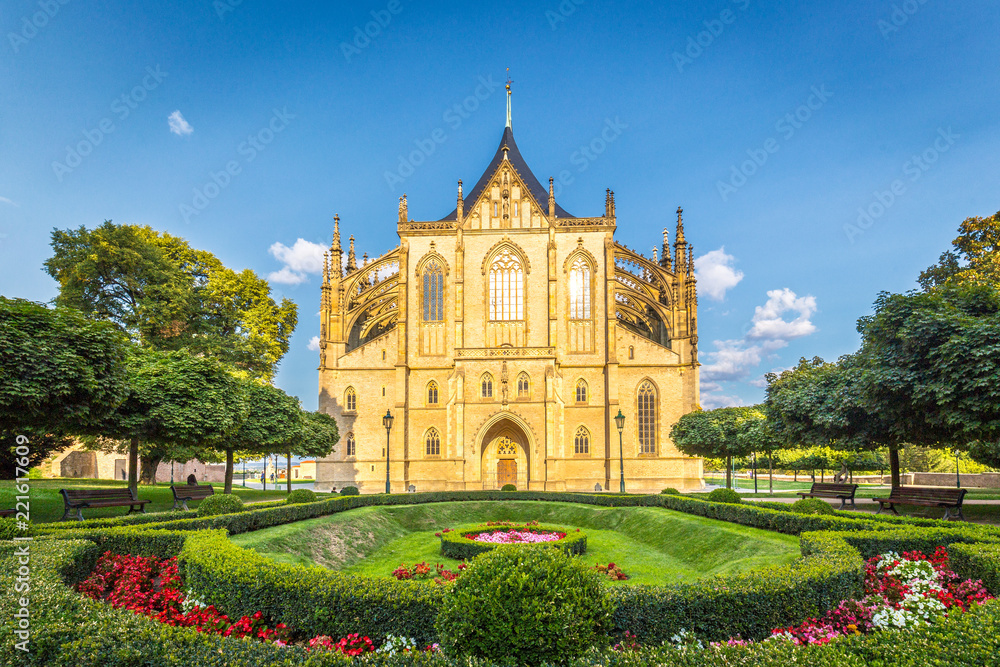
x,y
505,455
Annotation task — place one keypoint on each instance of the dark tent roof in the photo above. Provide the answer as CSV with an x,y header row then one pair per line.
x,y
538,191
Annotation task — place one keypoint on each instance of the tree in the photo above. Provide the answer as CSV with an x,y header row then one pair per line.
x,y
177,399
273,421
60,375
317,439
758,436
975,257
715,434
168,296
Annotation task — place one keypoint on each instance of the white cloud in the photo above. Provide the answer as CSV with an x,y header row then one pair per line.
x,y
300,260
712,401
178,125
314,344
732,360
7,201
768,323
715,274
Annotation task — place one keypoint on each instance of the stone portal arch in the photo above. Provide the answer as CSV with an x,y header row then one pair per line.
x,y
505,444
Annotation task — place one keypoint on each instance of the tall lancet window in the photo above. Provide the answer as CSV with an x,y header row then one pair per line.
x,y
433,293
506,288
579,290
646,409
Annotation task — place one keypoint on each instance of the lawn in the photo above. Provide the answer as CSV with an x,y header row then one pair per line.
x,y
652,545
47,503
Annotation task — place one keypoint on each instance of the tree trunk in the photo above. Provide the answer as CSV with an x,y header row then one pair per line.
x,y
133,465
770,474
229,472
795,475
288,470
894,466
822,475
729,472
147,468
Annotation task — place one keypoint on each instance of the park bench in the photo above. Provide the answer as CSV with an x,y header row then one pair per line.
x,y
844,492
78,499
4,513
186,492
949,499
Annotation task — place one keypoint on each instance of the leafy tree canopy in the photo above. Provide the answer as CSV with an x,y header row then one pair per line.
x,y
716,433
975,256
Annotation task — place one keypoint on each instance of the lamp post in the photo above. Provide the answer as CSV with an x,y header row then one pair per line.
x,y
387,422
620,423
958,478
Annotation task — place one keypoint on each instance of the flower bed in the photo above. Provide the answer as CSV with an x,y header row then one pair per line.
x,y
466,544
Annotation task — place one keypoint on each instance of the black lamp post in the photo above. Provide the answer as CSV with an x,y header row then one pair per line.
x,y
958,478
620,423
387,422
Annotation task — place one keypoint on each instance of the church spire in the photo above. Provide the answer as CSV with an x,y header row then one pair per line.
x,y
508,96
403,209
352,262
336,269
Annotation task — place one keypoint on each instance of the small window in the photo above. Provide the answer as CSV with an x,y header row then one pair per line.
x,y
581,391
515,209
383,355
494,209
433,442
351,449
523,386
350,400
486,386
432,393
581,443
383,391
631,352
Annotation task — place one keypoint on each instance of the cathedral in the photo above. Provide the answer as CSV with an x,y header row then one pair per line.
x,y
509,342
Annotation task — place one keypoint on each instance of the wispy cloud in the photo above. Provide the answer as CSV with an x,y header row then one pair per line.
x,y
300,260
7,201
716,275
313,344
178,125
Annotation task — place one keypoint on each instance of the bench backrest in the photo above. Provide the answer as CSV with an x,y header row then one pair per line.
x,y
833,488
97,494
193,491
929,495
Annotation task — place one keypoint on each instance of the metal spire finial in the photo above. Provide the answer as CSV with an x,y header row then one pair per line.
x,y
508,96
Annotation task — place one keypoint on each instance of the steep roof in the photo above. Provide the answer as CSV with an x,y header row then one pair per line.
x,y
538,191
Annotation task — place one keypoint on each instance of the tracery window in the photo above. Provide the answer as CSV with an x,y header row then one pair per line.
x,y
523,386
433,293
506,288
581,391
579,290
351,448
433,443
350,400
432,393
646,410
486,386
581,443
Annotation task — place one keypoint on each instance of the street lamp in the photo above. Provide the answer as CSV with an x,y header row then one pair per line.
x,y
387,422
620,423
958,478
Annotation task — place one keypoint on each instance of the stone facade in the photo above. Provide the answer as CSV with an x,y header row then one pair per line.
x,y
504,338
77,462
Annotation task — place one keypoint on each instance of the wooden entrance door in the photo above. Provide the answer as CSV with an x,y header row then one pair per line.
x,y
506,472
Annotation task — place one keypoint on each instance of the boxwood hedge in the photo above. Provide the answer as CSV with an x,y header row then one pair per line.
x,y
456,543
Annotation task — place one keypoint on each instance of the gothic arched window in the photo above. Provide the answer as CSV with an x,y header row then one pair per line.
x,y
523,386
432,393
486,386
646,411
581,443
433,443
350,400
579,290
351,448
433,293
581,391
506,288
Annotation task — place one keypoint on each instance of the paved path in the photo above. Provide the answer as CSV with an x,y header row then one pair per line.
x,y
836,501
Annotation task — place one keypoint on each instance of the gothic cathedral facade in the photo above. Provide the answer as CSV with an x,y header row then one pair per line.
x,y
504,339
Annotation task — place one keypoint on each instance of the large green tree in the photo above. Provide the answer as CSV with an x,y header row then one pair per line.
x,y
61,374
317,438
716,433
272,424
974,257
169,296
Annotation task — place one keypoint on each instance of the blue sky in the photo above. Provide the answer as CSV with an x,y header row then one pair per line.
x,y
775,126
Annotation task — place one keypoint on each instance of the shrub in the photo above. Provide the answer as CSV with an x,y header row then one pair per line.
x,y
222,503
670,492
349,491
724,496
811,506
9,529
456,544
523,605
300,496
508,487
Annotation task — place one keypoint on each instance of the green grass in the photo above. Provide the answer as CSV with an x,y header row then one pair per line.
x,y
47,503
652,545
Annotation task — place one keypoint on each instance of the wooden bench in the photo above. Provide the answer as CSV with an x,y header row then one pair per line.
x,y
949,499
4,513
78,499
186,492
844,492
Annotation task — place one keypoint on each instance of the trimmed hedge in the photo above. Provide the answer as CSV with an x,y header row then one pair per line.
x,y
724,496
978,561
300,496
455,543
220,503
